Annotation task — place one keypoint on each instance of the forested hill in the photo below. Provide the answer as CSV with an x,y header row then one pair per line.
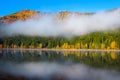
x,y
22,15
27,14
94,40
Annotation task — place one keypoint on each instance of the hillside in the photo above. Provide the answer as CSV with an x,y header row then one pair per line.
x,y
22,15
26,14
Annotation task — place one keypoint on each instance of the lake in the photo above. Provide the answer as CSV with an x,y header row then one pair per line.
x,y
18,64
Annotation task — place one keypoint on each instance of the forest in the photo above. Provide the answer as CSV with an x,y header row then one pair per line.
x,y
94,40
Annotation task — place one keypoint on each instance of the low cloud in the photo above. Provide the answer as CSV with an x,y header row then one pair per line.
x,y
71,25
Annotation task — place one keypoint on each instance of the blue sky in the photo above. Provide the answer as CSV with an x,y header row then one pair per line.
x,y
11,6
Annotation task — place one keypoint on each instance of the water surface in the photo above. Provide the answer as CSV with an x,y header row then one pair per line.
x,y
63,65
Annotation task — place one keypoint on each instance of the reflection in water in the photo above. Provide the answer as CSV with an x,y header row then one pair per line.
x,y
49,70
81,65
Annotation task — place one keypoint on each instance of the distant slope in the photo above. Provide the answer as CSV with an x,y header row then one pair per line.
x,y
26,14
22,15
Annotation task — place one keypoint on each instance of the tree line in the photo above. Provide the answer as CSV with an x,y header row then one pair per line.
x,y
94,40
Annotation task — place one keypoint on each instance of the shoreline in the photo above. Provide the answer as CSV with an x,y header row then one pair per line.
x,y
60,49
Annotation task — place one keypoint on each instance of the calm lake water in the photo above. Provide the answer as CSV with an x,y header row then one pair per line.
x,y
60,65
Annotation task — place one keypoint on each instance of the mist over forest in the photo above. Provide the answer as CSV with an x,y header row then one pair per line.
x,y
65,24
64,30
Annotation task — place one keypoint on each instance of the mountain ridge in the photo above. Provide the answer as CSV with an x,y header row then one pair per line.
x,y
26,14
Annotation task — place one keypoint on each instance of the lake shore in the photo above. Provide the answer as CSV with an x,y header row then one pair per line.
x,y
60,49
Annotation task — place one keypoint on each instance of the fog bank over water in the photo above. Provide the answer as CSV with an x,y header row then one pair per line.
x,y
72,25
48,70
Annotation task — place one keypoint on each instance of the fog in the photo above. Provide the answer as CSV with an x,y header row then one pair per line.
x,y
71,25
48,70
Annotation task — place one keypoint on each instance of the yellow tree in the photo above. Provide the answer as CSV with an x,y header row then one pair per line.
x,y
31,46
40,45
113,45
77,46
86,46
93,45
14,46
72,46
102,46
65,46
57,47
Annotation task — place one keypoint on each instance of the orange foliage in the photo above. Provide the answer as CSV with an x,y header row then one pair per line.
x,y
23,15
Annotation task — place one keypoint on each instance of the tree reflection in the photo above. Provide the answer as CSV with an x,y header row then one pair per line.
x,y
100,59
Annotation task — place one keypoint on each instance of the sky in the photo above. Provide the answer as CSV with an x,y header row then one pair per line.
x,y
11,6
